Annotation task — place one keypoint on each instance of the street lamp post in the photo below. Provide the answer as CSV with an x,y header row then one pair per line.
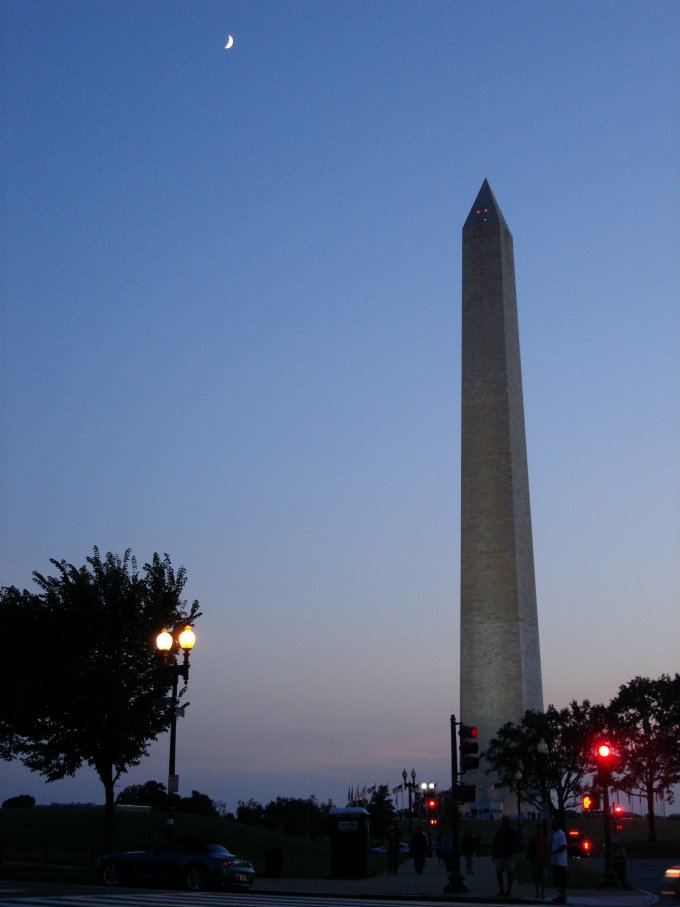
x,y
542,749
170,646
410,787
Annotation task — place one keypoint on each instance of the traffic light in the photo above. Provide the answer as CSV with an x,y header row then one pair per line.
x,y
617,809
464,793
590,801
607,759
431,808
468,747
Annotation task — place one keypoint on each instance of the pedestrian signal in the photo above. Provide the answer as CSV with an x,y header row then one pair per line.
x,y
590,801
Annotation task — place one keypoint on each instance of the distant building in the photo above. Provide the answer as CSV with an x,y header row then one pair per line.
x,y
485,809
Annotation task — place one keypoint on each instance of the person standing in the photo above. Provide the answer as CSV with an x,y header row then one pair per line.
x,y
537,852
393,848
503,853
559,859
469,845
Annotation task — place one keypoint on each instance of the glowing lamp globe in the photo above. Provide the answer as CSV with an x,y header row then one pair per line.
x,y
187,639
164,641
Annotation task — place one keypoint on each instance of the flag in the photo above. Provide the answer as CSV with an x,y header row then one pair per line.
x,y
399,789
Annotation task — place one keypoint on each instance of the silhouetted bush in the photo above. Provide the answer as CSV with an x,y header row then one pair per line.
x,y
22,801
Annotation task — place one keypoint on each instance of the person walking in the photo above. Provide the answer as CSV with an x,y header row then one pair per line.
x,y
445,849
559,859
503,854
418,847
537,853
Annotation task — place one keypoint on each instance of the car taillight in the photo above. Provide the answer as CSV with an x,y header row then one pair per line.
x,y
586,845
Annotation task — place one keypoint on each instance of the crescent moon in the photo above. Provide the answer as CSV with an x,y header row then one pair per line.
x,y
230,43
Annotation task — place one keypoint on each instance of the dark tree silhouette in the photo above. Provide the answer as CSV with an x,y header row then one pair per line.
x,y
552,778
151,793
381,810
88,686
645,717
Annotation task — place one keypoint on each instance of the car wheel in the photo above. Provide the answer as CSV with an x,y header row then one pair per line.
x,y
196,878
111,874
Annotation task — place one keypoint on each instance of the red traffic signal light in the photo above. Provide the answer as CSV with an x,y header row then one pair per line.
x,y
618,809
605,754
468,747
607,758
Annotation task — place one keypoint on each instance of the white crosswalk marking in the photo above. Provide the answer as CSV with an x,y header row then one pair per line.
x,y
194,899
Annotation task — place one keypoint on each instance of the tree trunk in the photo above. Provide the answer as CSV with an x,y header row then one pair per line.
x,y
108,781
651,818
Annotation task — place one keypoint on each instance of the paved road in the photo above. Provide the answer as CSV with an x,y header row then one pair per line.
x,y
647,874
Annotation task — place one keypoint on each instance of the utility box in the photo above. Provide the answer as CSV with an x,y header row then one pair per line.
x,y
350,838
273,862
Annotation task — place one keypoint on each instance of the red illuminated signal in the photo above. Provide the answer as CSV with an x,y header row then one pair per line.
x,y
604,751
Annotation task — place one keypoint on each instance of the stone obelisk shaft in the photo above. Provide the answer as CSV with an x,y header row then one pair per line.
x,y
500,656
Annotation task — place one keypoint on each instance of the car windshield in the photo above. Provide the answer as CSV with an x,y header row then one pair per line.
x,y
171,847
218,849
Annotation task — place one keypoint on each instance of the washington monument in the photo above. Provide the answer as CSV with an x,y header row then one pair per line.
x,y
500,665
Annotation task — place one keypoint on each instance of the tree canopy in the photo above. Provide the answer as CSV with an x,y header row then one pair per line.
x,y
151,793
645,721
88,686
552,778
296,816
642,723
381,810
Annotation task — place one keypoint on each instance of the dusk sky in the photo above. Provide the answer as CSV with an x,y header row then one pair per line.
x,y
231,289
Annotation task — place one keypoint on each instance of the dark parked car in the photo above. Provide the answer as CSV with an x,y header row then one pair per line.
x,y
191,864
578,845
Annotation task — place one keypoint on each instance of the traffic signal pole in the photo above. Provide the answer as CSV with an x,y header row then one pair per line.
x,y
609,878
606,757
456,883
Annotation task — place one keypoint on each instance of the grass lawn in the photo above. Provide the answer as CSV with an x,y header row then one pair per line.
x,y
47,840
64,842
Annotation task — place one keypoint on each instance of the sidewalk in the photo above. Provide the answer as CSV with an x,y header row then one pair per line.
x,y
430,886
